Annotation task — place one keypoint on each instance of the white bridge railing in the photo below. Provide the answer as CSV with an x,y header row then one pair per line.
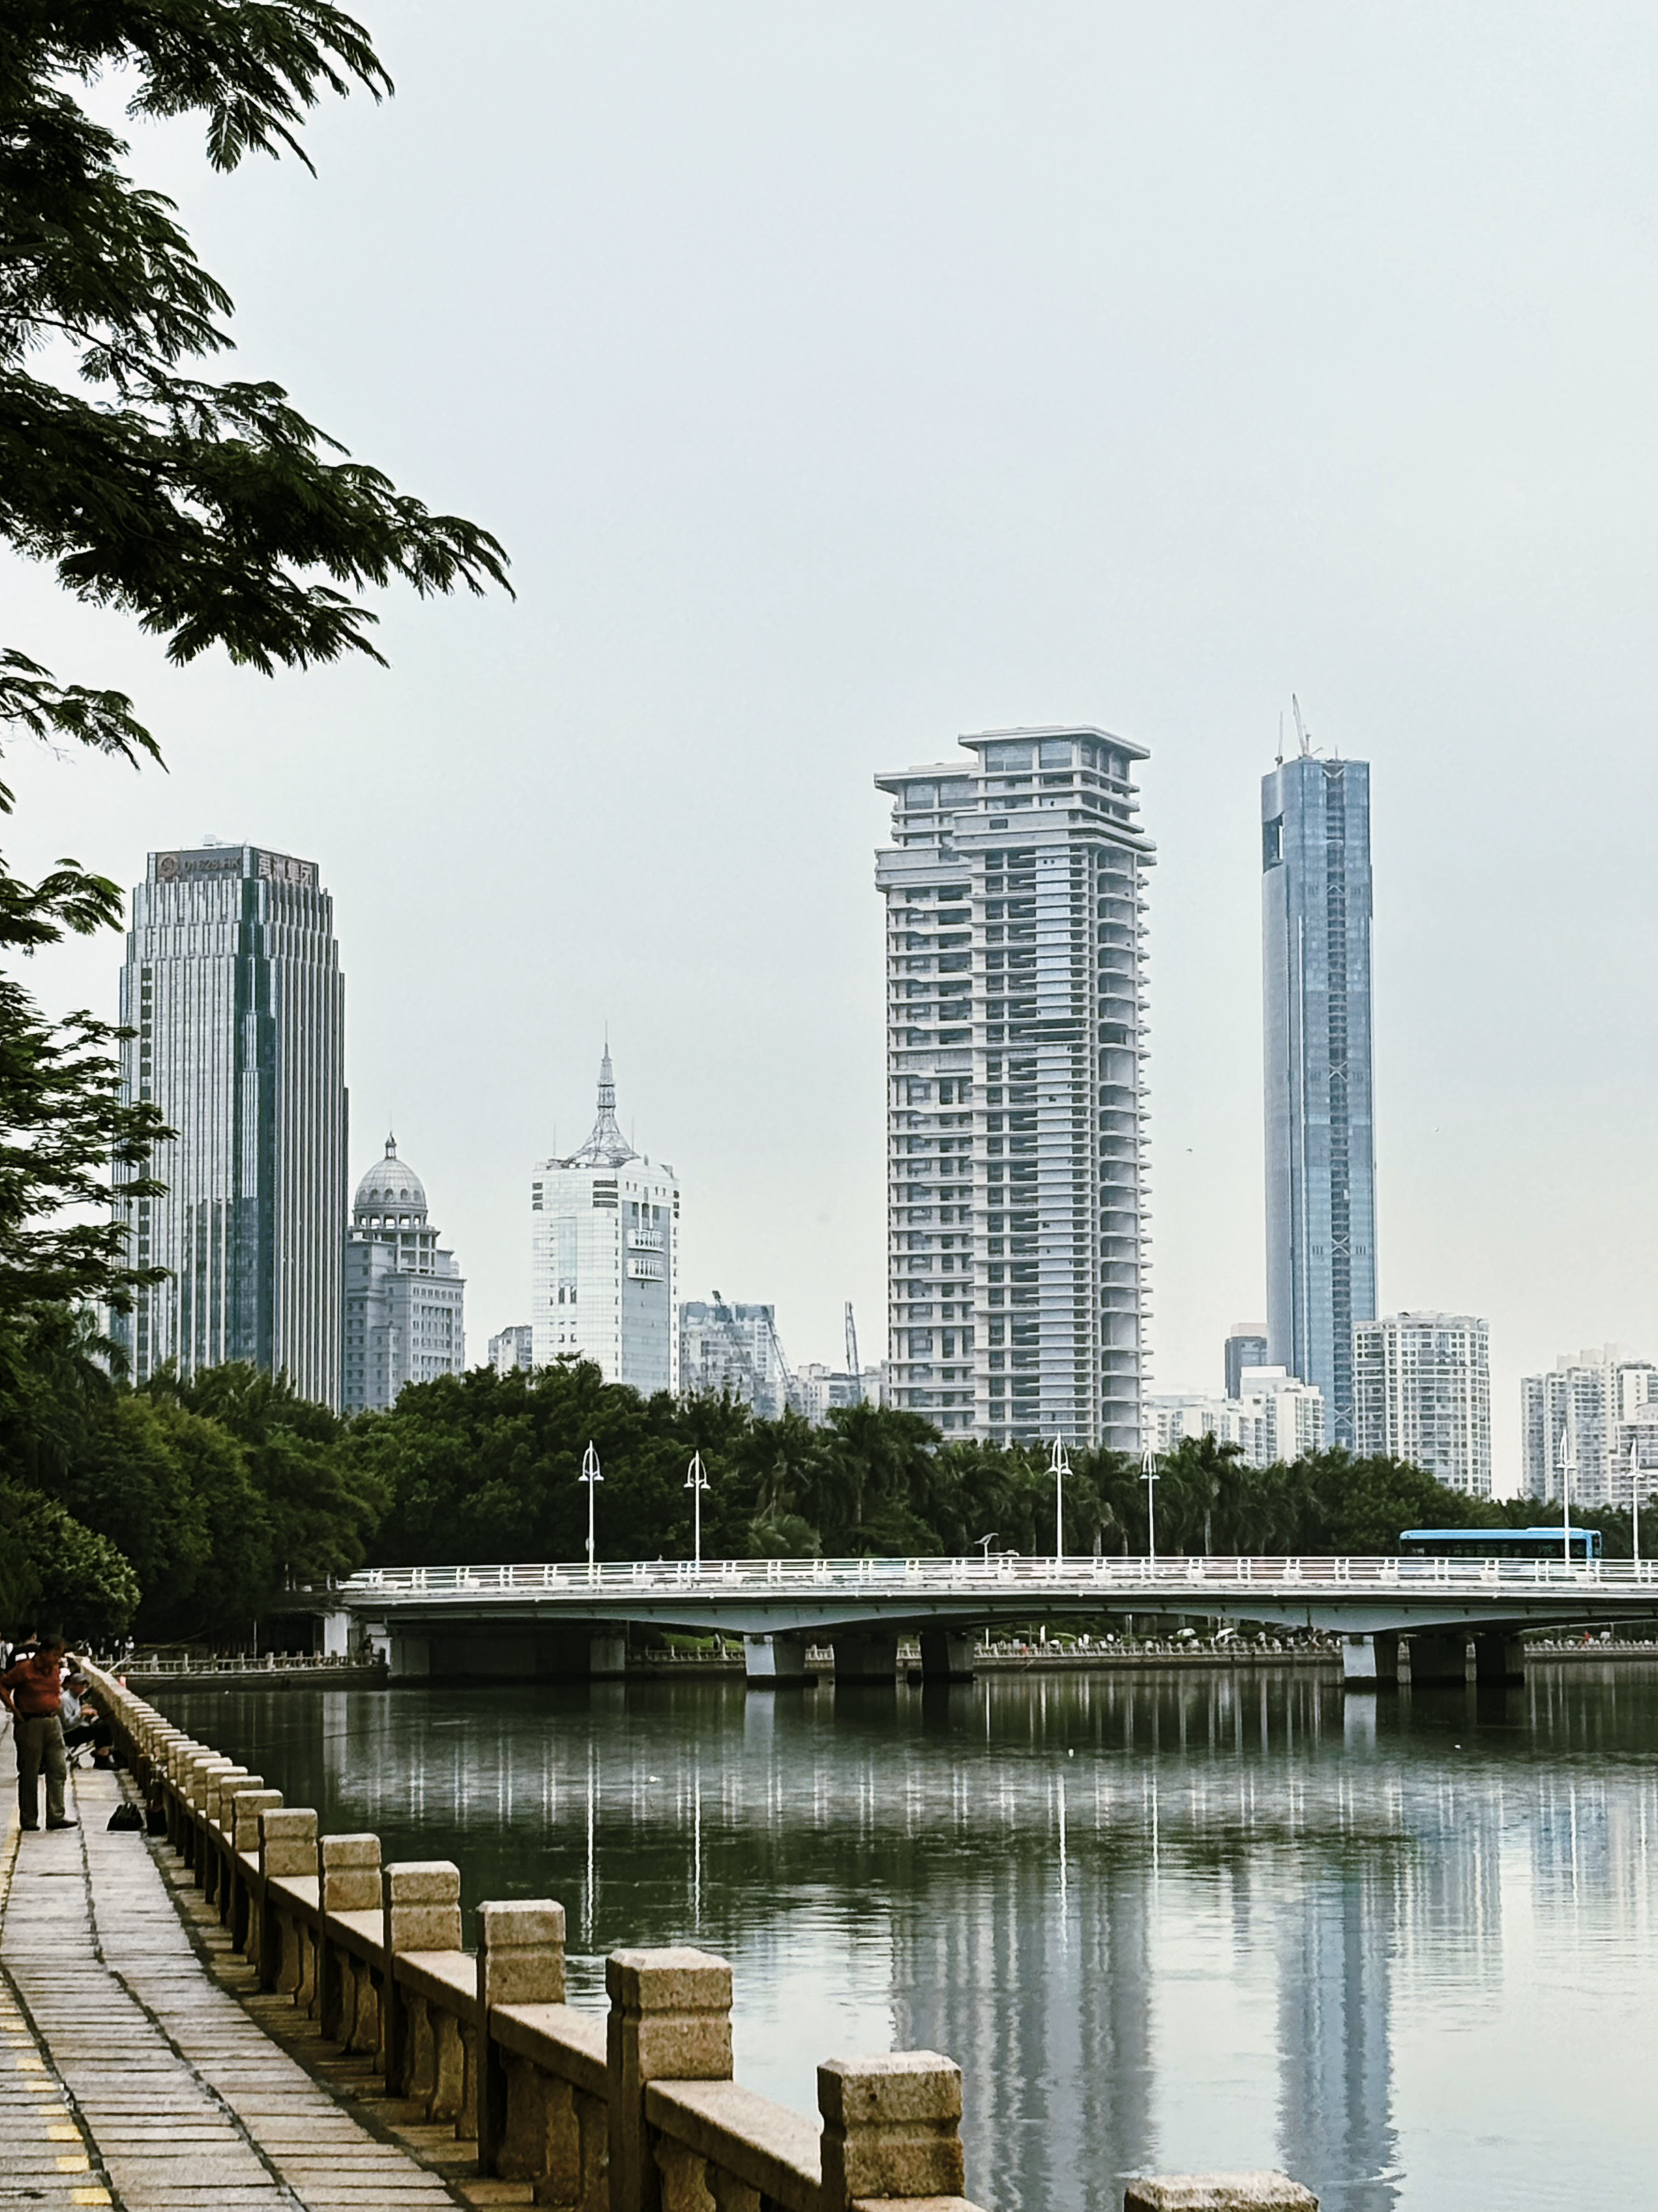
x,y
1000,1577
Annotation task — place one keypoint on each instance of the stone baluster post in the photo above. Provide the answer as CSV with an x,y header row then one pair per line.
x,y
421,1901
891,2128
288,1852
520,1960
670,2021
247,1807
238,1782
349,1881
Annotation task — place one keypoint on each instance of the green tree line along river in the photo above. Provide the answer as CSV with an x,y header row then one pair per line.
x,y
178,1511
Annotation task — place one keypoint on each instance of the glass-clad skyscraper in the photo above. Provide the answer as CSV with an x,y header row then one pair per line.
x,y
1321,1155
233,987
1016,1043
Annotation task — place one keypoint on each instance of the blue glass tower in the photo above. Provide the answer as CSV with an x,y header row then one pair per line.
x,y
1320,1152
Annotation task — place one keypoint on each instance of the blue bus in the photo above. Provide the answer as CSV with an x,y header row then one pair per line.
x,y
1498,1544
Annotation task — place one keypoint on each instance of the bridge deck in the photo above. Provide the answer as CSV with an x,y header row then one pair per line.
x,y
130,2077
763,1596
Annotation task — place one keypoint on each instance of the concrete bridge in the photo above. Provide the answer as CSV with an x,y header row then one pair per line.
x,y
548,1620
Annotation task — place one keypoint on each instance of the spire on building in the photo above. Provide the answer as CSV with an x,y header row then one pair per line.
x,y
606,1148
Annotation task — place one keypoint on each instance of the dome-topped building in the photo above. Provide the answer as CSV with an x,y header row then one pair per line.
x,y
404,1299
391,1185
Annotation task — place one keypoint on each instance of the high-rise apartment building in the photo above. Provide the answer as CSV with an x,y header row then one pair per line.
x,y
1269,1417
816,1389
1245,1347
404,1299
605,1256
1015,1116
1422,1391
514,1348
1320,1158
233,987
1588,1411
728,1349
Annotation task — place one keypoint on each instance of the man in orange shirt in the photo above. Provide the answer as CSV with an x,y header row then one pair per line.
x,y
31,1692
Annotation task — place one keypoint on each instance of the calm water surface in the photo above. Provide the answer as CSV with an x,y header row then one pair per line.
x,y
1164,1923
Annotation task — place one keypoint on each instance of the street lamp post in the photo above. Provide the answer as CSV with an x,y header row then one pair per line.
x,y
1634,1496
591,1475
696,1482
1568,1461
1059,1466
1148,1476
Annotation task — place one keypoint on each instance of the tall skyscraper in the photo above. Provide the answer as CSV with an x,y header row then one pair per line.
x,y
406,1317
1016,1115
605,1256
1320,1158
1422,1391
233,985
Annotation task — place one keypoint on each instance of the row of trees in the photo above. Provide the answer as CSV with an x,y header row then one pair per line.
x,y
184,1511
180,1510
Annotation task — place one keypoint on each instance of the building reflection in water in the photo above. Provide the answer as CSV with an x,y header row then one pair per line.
x,y
1162,1921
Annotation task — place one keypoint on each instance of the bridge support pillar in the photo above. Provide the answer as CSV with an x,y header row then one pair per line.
x,y
867,1658
1498,1657
607,1655
336,1629
946,1655
1439,1659
1370,1662
775,1662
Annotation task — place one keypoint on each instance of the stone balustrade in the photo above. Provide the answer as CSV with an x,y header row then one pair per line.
x,y
631,2110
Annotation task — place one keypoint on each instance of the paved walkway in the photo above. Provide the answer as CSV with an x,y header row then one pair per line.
x,y
129,2076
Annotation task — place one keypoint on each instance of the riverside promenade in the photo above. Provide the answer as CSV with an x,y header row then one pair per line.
x,y
354,2054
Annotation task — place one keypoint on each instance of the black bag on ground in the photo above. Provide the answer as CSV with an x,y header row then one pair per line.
x,y
126,1816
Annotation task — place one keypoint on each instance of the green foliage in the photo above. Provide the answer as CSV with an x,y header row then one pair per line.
x,y
180,1510
67,1138
483,1467
213,513
56,1572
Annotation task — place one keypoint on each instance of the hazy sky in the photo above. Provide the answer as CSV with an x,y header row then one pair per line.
x,y
842,378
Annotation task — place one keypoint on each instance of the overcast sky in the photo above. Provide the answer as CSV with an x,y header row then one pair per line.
x,y
842,378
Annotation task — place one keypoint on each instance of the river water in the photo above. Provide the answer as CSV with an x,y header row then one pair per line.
x,y
1405,1949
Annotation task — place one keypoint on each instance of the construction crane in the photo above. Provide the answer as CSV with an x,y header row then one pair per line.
x,y
1301,730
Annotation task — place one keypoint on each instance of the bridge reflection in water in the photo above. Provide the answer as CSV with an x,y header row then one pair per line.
x,y
1185,1922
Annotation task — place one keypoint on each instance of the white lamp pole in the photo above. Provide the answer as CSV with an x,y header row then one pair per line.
x,y
591,1475
1568,1461
1059,1466
1149,1475
696,1482
1635,1494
